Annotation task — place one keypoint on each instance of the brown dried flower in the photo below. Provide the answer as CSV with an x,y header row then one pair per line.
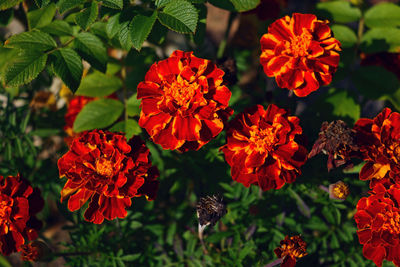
x,y
210,210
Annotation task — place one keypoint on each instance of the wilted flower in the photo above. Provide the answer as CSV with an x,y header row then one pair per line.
x,y
19,203
34,251
261,147
44,99
378,223
300,52
184,103
291,249
379,142
103,167
339,190
336,140
210,210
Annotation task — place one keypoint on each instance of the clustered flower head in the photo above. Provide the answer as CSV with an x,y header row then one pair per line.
x,y
34,251
336,140
262,147
210,210
105,169
291,249
339,190
379,141
300,52
184,102
19,204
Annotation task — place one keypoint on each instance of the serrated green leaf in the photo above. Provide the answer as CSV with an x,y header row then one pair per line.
x,y
25,68
115,4
113,26
344,105
42,3
383,15
180,16
87,16
161,3
224,4
129,127
68,66
34,40
98,84
58,27
140,29
9,4
124,36
92,49
338,11
380,40
65,5
345,35
98,114
245,5
41,17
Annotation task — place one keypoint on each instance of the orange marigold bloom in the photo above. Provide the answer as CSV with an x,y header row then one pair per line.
x,y
184,102
378,223
261,147
108,170
379,143
291,248
34,251
19,203
300,52
339,190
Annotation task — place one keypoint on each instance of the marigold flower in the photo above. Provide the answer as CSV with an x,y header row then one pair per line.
x,y
379,142
291,248
339,190
34,251
300,52
19,203
378,223
336,140
184,103
108,170
261,147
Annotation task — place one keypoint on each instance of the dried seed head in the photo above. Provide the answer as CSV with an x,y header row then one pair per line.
x,y
336,140
339,190
210,210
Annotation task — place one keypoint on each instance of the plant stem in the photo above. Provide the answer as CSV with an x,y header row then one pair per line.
x,y
274,263
222,45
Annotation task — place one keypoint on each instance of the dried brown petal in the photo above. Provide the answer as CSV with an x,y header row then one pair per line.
x,y
210,210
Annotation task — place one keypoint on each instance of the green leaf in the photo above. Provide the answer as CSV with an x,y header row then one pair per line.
x,y
344,105
98,114
42,3
65,5
87,16
6,17
368,80
9,4
383,15
113,26
98,84
338,11
68,66
380,40
245,5
92,49
34,40
394,99
129,127
41,17
124,36
180,16
131,257
58,27
133,106
161,3
115,4
25,68
140,29
345,35
224,4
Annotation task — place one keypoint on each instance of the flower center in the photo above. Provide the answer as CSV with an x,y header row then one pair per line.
x,y
104,167
263,139
298,45
293,250
181,92
6,204
392,222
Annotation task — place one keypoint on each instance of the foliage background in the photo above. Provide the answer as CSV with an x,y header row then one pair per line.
x,y
43,43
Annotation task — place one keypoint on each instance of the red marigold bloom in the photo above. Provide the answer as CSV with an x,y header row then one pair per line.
x,y
291,248
261,147
378,223
105,168
184,102
300,52
19,203
379,142
34,251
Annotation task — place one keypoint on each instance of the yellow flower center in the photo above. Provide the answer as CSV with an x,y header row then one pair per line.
x,y
104,167
340,190
263,139
392,222
181,92
293,249
298,45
